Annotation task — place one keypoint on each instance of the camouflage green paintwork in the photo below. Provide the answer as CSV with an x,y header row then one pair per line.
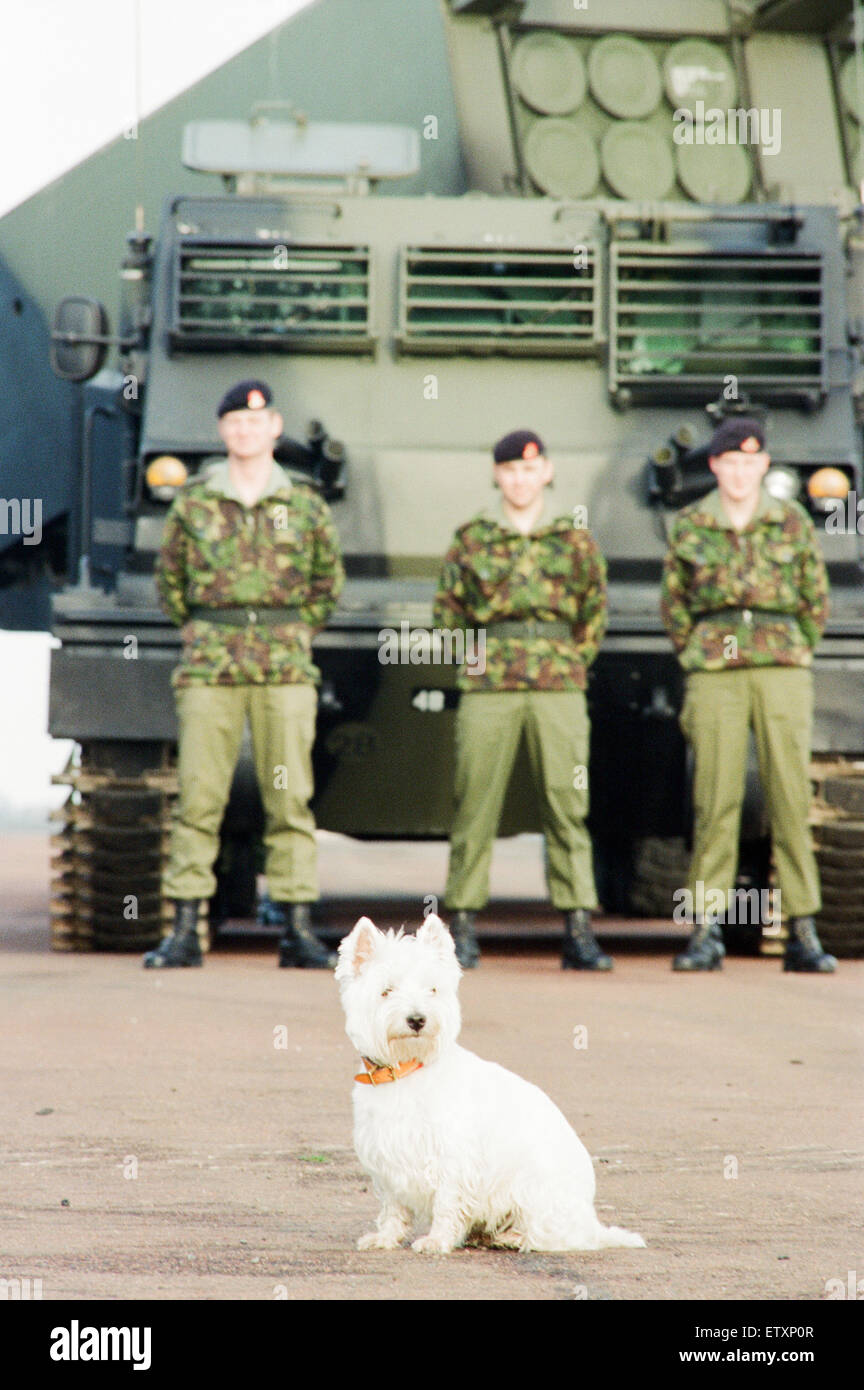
x,y
556,573
219,553
774,564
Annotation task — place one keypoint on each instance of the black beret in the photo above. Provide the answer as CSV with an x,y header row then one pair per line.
x,y
246,395
520,444
732,432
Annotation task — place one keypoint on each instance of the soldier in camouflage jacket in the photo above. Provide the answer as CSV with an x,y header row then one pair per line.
x,y
493,574
715,576
217,553
250,568
533,587
744,599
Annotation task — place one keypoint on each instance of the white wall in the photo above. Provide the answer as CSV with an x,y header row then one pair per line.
x,y
28,757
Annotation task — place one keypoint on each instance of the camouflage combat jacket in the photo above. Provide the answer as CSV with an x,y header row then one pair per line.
x,y
755,597
282,552
493,572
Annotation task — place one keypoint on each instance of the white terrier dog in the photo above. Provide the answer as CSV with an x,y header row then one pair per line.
x,y
456,1144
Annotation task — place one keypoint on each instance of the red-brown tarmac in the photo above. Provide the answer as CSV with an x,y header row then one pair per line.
x,y
186,1134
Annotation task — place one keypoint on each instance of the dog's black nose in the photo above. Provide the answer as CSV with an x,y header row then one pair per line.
x,y
416,1022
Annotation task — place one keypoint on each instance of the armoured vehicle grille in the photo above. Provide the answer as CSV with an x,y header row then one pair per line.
x,y
534,301
313,298
682,322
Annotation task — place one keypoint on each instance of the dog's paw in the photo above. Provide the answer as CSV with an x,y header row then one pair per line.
x,y
374,1240
431,1245
509,1240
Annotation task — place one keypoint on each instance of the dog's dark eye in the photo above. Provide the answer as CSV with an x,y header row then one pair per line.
x,y
433,990
385,992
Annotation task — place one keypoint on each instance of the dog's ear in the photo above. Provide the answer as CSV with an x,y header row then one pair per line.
x,y
357,948
434,933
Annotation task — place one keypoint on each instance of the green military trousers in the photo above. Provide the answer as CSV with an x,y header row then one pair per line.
x,y
211,720
489,726
719,709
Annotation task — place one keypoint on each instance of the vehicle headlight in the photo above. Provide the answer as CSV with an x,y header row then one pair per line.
x,y
782,483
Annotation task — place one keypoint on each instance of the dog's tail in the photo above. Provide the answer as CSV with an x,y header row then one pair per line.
x,y
610,1236
582,1231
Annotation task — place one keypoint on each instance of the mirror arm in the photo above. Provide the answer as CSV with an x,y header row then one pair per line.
x,y
92,339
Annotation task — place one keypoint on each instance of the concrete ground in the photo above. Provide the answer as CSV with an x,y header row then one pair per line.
x,y
187,1135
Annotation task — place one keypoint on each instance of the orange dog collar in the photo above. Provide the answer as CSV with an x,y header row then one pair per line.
x,y
378,1076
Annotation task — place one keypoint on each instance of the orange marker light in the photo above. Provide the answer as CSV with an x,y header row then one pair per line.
x,y
164,476
827,483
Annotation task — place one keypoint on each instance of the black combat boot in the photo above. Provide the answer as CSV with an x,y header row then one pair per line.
x,y
298,945
804,949
581,948
182,947
705,949
465,939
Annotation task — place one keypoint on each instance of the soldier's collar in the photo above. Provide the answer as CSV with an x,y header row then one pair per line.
x,y
546,521
218,479
767,509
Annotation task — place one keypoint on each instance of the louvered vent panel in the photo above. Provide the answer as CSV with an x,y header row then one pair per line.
x,y
253,296
682,323
536,301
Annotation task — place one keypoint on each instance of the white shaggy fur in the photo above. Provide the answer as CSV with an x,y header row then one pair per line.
x,y
462,1147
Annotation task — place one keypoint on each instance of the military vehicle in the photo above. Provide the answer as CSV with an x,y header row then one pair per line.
x,y
655,229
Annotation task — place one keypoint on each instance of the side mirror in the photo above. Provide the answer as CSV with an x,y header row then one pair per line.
x,y
80,335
